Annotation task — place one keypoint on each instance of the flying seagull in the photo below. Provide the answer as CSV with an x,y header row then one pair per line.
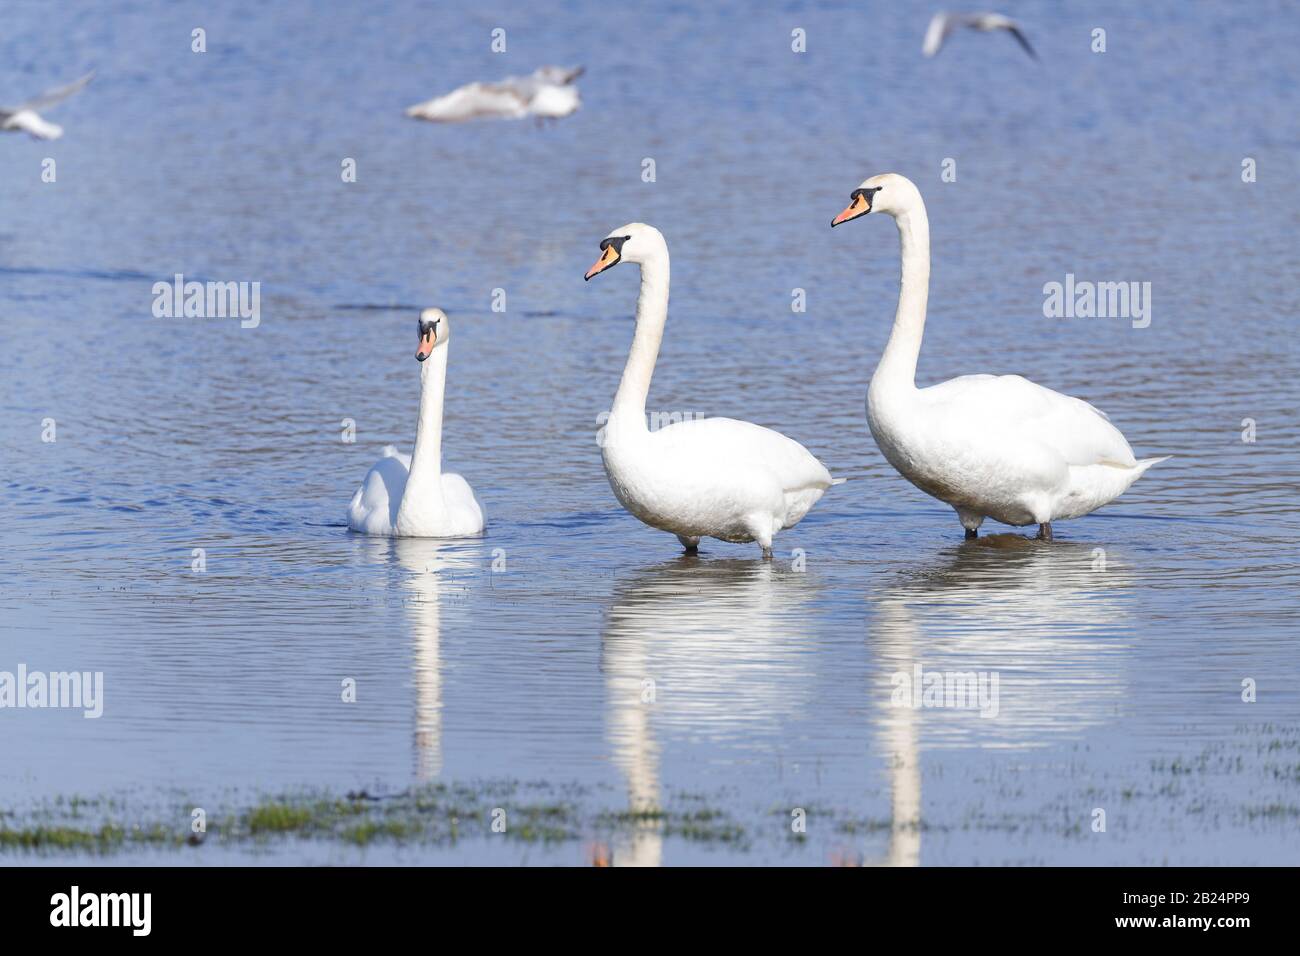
x,y
943,24
25,119
548,93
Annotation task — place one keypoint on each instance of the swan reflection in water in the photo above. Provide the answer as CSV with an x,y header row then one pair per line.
x,y
426,570
698,645
1051,621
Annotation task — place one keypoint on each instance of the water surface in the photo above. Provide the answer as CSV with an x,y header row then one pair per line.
x,y
525,655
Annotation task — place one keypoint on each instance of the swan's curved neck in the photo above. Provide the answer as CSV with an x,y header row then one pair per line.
x,y
426,460
651,314
897,368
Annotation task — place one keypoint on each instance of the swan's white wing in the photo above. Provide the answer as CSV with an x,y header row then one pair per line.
x,y
507,100
1076,431
56,95
465,513
373,509
729,442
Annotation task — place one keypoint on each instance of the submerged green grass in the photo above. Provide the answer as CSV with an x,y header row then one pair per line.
x,y
1263,763
434,815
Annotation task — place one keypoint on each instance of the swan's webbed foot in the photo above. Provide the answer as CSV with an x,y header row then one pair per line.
x,y
971,533
1045,531
690,543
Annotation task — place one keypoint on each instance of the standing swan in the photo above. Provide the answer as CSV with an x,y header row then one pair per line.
x,y
711,477
992,446
409,496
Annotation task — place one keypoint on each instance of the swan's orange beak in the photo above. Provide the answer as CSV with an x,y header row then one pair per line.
x,y
859,207
428,339
607,258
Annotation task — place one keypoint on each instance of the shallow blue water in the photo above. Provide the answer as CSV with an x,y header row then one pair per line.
x,y
772,685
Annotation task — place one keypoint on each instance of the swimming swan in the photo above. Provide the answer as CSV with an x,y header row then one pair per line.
x,y
711,477
409,496
995,446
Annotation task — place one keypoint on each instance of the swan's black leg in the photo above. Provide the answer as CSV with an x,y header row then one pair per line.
x,y
1045,531
971,533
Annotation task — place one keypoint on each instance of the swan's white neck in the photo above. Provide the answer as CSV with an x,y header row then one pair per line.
x,y
424,483
651,314
897,368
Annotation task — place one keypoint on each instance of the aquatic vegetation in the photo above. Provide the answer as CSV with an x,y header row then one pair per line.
x,y
567,821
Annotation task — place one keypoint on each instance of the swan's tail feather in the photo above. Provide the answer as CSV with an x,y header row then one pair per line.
x,y
1145,463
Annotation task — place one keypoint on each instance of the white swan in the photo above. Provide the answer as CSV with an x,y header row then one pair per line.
x,y
995,446
409,495
25,119
711,477
548,93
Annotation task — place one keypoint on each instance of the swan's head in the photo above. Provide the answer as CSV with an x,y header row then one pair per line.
x,y
635,242
889,193
435,329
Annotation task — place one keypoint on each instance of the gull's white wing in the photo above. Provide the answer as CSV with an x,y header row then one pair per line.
x,y
941,26
56,95
473,101
27,121
1014,30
